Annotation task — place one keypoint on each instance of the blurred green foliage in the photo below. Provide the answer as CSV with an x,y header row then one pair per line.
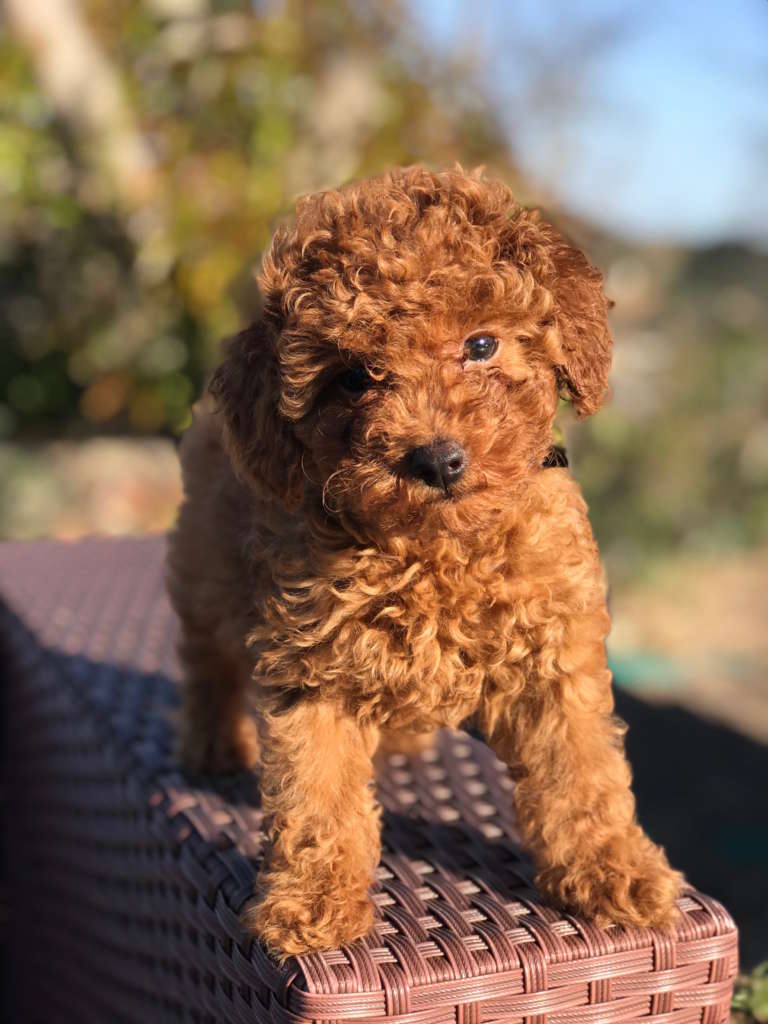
x,y
113,301
129,233
678,460
750,998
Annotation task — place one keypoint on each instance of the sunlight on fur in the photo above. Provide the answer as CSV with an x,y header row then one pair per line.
x,y
374,544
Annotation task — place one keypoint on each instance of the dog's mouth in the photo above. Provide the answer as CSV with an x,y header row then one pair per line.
x,y
375,486
421,496
449,494
378,500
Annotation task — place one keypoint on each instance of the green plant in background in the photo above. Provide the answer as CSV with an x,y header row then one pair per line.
x,y
750,997
146,153
678,460
131,225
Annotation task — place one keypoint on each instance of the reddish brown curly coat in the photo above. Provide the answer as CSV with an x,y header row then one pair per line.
x,y
353,604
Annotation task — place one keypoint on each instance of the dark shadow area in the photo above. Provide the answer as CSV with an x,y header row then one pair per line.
x,y
702,791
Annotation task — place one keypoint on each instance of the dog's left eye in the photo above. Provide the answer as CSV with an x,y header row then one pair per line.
x,y
355,380
480,348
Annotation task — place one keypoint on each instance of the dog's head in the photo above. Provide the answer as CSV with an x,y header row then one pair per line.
x,y
417,331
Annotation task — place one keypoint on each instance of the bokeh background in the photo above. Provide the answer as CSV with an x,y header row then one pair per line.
x,y
148,148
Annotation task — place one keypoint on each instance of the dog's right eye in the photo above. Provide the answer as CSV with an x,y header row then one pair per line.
x,y
355,380
481,348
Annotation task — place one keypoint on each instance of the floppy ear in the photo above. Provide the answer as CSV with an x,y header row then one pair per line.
x,y
577,338
259,439
584,342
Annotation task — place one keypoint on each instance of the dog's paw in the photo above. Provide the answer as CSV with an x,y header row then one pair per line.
x,y
291,923
627,881
219,752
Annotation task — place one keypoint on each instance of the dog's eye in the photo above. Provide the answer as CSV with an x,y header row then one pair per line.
x,y
355,380
480,348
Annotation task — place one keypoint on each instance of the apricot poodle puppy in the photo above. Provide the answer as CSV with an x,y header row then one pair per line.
x,y
379,539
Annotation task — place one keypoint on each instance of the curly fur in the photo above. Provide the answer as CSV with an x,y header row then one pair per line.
x,y
357,606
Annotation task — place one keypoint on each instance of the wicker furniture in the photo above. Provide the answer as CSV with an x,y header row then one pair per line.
x,y
127,878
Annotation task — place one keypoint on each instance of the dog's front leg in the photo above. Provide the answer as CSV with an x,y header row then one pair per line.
x,y
575,808
324,825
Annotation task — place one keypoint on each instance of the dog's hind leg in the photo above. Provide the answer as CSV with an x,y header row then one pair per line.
x,y
217,733
209,588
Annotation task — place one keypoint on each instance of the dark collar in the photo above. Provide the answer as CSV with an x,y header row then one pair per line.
x,y
556,456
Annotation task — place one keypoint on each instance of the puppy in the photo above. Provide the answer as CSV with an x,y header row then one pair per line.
x,y
378,540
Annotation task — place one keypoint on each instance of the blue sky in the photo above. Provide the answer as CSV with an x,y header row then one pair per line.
x,y
660,132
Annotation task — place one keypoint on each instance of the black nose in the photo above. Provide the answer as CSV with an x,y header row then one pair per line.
x,y
438,464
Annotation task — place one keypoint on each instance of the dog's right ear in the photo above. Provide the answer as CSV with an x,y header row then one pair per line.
x,y
260,441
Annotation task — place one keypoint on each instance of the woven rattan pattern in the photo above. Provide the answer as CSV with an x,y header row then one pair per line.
x,y
128,879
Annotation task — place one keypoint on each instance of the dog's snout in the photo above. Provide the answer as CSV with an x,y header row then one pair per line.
x,y
438,464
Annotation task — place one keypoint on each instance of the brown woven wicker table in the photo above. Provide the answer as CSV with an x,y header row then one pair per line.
x,y
127,879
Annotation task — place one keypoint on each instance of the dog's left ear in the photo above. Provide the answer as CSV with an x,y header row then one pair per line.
x,y
578,336
583,339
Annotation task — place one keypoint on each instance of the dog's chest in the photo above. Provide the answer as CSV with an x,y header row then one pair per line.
x,y
404,643
418,651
